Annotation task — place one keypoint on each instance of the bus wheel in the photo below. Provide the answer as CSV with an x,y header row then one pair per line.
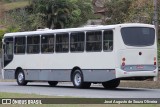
x,y
52,83
111,84
21,78
77,79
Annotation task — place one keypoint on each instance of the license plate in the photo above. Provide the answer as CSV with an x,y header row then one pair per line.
x,y
140,67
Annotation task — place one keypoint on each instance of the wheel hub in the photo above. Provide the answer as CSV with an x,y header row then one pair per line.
x,y
77,79
20,77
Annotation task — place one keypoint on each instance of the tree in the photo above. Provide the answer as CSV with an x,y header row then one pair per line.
x,y
9,29
121,11
141,11
81,12
55,13
117,10
62,13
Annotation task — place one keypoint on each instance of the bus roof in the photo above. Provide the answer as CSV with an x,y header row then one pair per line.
x,y
85,28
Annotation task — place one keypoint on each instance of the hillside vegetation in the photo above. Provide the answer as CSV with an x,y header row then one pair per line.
x,y
15,5
71,13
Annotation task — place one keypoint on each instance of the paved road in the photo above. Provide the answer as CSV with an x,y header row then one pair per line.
x,y
67,89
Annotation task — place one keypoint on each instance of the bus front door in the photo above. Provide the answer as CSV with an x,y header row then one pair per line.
x,y
7,51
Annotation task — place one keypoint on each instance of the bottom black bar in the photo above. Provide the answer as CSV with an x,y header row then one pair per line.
x,y
80,101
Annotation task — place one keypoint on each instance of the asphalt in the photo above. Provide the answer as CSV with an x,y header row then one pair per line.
x,y
67,89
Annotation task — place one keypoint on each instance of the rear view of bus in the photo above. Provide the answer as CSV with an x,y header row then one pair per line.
x,y
137,52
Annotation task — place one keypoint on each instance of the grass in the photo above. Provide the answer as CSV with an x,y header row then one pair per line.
x,y
6,80
15,5
2,80
15,95
141,84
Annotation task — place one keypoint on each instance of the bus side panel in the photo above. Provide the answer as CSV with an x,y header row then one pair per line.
x,y
64,75
32,74
8,74
47,75
98,75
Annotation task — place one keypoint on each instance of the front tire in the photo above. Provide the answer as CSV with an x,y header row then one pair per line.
x,y
21,78
111,84
77,79
52,83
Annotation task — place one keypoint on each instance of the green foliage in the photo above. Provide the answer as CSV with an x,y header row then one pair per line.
x,y
2,32
140,11
62,13
121,11
48,13
19,19
8,30
73,13
8,1
117,10
11,29
81,12
55,13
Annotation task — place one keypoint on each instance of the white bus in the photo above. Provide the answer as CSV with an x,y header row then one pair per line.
x,y
91,54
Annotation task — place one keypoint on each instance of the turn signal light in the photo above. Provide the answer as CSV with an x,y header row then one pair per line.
x,y
155,61
123,64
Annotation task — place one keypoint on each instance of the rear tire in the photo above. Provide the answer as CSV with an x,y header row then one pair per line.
x,y
111,84
77,80
21,78
52,83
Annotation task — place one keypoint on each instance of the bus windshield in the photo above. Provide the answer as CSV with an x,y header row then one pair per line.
x,y
138,36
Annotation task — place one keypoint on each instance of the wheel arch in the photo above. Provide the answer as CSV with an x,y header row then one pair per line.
x,y
73,70
16,71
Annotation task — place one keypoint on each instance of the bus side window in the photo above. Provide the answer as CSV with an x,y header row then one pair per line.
x,y
33,44
77,42
20,43
47,43
62,43
108,40
9,48
94,41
